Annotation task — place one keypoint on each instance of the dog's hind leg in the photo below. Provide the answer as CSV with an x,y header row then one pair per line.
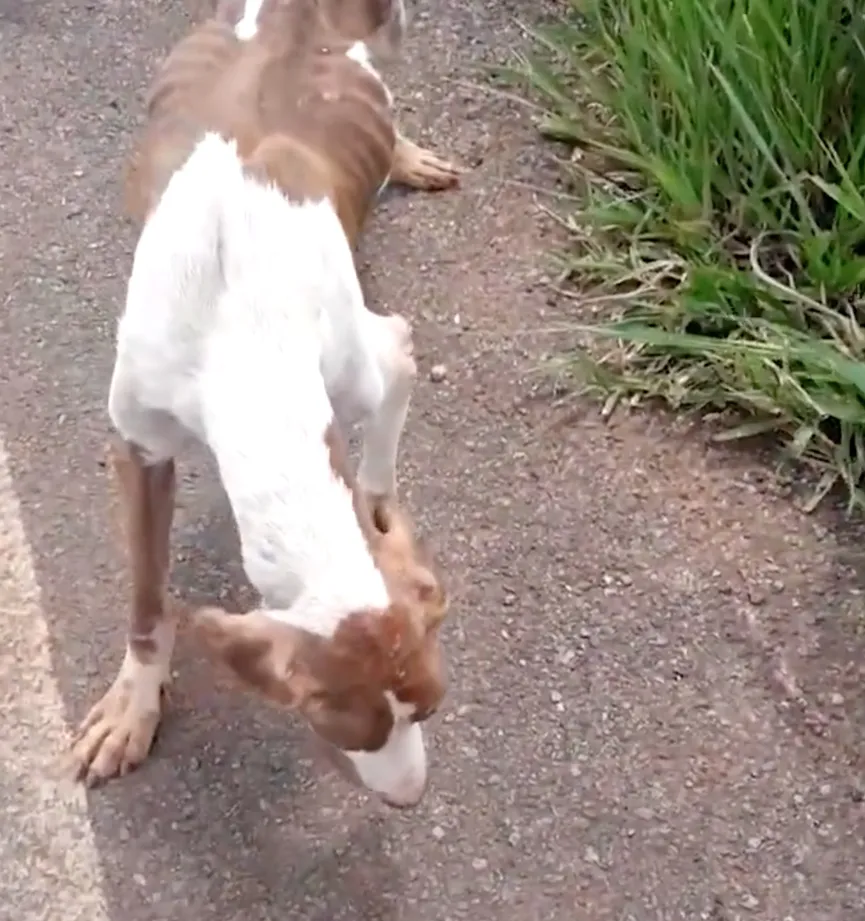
x,y
419,168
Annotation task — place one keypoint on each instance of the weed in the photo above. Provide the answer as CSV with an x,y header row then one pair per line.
x,y
719,150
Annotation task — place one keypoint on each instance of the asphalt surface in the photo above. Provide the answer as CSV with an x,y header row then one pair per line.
x,y
656,662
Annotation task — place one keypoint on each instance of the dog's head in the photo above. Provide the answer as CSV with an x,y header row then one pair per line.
x,y
365,688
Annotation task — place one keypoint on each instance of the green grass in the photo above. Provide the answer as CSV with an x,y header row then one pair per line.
x,y
719,176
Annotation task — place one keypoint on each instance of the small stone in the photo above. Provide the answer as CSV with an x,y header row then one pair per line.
x,y
567,656
837,699
756,596
438,373
479,864
750,901
555,697
645,813
592,855
438,832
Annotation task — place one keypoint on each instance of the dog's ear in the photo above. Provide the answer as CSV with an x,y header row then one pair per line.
x,y
408,560
264,653
431,593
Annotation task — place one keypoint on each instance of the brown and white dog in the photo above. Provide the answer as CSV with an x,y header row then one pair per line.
x,y
269,135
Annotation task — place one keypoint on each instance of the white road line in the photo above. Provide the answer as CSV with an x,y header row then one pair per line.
x,y
49,863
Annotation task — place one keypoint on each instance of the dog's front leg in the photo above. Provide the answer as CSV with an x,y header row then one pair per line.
x,y
420,168
391,352
117,734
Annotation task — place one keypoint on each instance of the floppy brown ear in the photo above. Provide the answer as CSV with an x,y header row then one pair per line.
x,y
260,650
427,583
389,521
409,557
431,594
393,526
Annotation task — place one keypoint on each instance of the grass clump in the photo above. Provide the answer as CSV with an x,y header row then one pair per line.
x,y
719,148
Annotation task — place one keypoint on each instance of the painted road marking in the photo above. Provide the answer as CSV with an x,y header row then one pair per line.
x,y
49,863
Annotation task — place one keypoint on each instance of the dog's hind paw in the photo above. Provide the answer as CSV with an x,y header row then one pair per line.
x,y
421,169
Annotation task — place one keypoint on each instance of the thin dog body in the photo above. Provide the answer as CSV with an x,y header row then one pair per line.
x,y
269,135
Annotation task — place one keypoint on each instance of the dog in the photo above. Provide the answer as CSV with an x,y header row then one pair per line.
x,y
269,134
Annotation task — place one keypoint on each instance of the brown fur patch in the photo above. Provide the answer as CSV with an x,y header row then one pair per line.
x,y
305,116
405,562
339,683
147,507
399,645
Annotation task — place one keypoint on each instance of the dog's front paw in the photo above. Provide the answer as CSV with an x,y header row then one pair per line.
x,y
118,732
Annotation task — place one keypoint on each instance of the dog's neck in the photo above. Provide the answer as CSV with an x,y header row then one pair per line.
x,y
267,415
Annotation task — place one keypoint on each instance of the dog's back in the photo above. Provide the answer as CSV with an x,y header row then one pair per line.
x,y
291,82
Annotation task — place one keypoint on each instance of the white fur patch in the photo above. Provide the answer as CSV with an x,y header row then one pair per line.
x,y
247,26
245,327
398,771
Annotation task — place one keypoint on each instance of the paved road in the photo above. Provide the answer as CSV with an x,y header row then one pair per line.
x,y
657,693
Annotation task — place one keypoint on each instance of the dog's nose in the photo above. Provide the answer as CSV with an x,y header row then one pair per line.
x,y
404,800
394,804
